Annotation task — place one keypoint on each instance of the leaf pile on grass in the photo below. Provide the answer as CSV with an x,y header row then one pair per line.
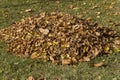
x,y
60,38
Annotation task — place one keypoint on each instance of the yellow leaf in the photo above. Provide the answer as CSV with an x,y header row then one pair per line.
x,y
55,42
116,49
65,45
49,43
6,37
1,70
34,55
62,56
107,49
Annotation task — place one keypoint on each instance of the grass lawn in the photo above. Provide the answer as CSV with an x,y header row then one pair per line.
x,y
105,12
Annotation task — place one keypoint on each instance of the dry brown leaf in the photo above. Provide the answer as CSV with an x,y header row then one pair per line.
x,y
28,10
6,37
52,59
117,42
97,33
74,60
99,64
65,45
95,6
117,13
70,6
84,59
111,7
75,8
57,2
30,78
34,55
56,61
98,13
44,31
95,52
66,61
89,18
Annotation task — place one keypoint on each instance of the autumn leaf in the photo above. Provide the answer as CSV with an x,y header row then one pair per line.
x,y
100,64
34,55
66,61
28,10
44,31
30,78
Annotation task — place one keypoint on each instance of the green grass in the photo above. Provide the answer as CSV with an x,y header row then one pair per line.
x,y
16,68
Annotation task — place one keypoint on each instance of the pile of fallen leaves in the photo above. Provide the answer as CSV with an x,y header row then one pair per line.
x,y
60,38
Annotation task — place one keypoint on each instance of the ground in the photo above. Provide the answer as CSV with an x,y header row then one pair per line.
x,y
105,12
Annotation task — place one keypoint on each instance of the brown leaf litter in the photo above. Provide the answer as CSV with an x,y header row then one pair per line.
x,y
60,38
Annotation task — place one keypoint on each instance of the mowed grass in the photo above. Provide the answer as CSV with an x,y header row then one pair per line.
x,y
105,12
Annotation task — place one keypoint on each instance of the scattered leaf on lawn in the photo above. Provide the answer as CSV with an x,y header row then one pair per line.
x,y
28,10
99,64
70,6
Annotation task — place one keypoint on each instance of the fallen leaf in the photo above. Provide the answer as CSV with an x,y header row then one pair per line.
x,y
28,10
84,59
66,61
98,17
57,2
95,52
30,78
65,45
111,7
34,55
107,49
89,18
117,13
70,6
6,37
55,42
44,31
75,8
97,33
98,13
84,3
99,64
94,7
52,59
